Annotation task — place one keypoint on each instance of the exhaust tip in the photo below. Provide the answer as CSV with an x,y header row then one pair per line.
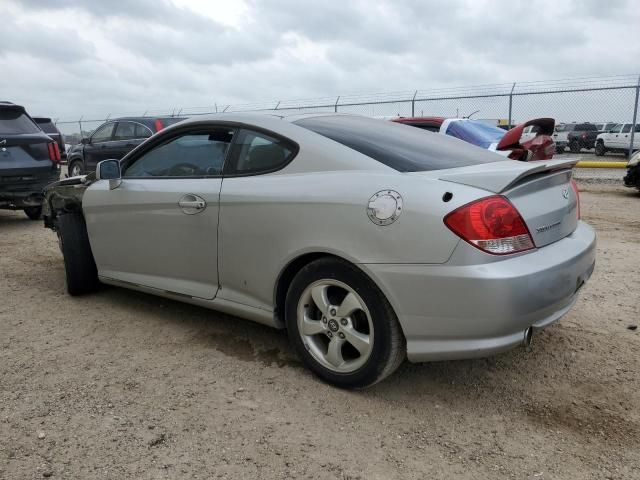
x,y
528,337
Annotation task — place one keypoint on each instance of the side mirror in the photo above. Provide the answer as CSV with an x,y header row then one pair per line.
x,y
109,170
85,141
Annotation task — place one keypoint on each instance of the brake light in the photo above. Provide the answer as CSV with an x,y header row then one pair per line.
x,y
491,224
574,185
158,125
54,152
584,136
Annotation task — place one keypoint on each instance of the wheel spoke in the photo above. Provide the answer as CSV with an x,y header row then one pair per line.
x,y
311,327
319,295
334,353
360,341
349,305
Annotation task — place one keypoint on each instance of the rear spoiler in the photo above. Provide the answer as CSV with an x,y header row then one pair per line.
x,y
500,176
511,139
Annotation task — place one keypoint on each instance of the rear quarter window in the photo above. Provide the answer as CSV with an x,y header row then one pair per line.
x,y
401,147
15,122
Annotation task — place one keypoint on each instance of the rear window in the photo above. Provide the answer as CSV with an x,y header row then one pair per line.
x,y
587,127
46,125
14,121
401,147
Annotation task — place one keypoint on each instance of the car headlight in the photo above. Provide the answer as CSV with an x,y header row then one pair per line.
x,y
635,160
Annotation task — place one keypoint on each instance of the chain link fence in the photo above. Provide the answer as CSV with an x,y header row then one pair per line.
x,y
592,99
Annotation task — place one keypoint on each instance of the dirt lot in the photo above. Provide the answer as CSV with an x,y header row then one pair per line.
x,y
124,385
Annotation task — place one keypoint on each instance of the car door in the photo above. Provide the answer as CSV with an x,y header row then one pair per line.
x,y
612,139
128,135
159,227
624,138
98,147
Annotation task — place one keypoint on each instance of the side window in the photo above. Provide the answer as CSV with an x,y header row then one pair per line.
x,y
626,128
125,131
103,134
141,131
256,153
194,154
616,129
637,129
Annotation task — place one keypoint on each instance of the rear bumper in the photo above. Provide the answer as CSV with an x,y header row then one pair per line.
x,y
454,312
24,195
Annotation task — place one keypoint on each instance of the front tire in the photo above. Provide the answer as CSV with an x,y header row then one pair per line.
x,y
34,213
76,168
600,150
79,265
342,326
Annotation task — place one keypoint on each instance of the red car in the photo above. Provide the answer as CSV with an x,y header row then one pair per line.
x,y
505,142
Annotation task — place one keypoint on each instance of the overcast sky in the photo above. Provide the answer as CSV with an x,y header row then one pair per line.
x,y
66,58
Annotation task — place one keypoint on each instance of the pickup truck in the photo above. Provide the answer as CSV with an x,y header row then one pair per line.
x,y
582,136
618,139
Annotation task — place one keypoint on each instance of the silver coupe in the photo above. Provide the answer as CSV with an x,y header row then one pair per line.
x,y
369,241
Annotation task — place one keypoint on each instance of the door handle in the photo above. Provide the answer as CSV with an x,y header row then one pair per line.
x,y
192,204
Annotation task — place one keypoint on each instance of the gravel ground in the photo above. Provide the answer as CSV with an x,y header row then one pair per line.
x,y
123,385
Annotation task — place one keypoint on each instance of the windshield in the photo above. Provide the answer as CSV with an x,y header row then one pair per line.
x,y
475,132
401,147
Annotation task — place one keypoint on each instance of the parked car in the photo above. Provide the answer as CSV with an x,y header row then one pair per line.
x,y
562,131
48,127
114,139
618,139
367,240
506,142
583,135
29,160
605,127
632,178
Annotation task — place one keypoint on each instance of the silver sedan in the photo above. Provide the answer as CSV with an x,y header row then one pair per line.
x,y
369,241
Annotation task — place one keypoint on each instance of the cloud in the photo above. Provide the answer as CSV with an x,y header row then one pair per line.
x,y
128,56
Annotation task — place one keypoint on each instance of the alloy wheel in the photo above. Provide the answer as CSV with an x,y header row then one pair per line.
x,y
335,326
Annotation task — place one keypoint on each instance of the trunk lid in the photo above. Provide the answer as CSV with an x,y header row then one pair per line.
x,y
541,192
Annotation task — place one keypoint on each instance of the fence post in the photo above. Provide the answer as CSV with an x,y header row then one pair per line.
x,y
635,117
80,123
277,105
413,104
335,106
511,103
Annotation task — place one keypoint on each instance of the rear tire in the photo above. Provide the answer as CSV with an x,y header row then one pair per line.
x,y
355,306
80,267
574,146
600,150
34,213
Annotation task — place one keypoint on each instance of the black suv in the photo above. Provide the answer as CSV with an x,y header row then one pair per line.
x,y
29,160
582,135
48,127
114,139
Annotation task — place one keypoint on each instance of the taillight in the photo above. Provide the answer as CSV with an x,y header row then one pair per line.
x,y
491,224
574,185
158,125
584,136
54,152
